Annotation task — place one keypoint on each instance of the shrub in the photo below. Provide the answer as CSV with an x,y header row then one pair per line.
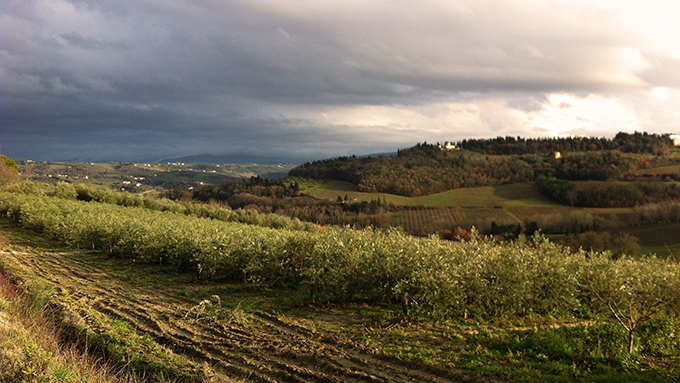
x,y
8,171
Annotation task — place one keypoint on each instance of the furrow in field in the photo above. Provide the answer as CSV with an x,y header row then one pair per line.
x,y
265,350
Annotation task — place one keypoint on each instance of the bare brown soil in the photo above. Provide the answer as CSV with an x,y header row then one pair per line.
x,y
267,348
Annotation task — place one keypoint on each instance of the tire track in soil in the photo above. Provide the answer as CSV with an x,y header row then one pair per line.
x,y
267,350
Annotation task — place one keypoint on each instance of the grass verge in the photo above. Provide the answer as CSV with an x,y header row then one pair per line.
x,y
32,348
41,340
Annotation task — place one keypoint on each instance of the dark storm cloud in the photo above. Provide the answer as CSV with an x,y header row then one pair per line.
x,y
148,79
78,41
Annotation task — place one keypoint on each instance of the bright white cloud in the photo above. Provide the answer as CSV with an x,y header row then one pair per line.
x,y
567,115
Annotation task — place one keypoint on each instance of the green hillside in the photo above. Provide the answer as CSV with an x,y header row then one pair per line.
x,y
502,204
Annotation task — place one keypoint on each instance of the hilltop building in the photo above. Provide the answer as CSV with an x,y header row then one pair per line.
x,y
448,146
676,139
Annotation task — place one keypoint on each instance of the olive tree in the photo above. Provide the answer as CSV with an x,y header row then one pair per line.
x,y
634,291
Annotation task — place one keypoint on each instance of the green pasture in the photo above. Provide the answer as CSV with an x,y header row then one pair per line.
x,y
461,207
479,197
671,169
502,204
662,240
329,189
523,194
444,199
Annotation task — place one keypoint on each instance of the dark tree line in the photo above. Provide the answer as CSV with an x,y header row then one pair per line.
x,y
624,142
257,186
606,193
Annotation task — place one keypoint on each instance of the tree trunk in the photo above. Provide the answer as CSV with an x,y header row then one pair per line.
x,y
312,298
631,338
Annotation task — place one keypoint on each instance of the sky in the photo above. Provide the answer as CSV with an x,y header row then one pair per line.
x,y
298,80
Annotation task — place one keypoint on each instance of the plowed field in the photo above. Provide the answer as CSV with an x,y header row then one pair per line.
x,y
266,347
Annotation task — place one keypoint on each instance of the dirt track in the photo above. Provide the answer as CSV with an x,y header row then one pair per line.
x,y
264,350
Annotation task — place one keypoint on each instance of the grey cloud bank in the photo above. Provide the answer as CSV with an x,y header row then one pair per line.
x,y
296,80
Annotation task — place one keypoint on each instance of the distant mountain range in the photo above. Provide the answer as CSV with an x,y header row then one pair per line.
x,y
231,159
250,159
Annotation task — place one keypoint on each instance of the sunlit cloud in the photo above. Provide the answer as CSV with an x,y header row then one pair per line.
x,y
567,115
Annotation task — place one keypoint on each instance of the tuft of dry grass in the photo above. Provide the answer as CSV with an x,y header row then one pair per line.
x,y
32,348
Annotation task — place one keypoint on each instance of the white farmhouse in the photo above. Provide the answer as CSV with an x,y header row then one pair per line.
x,y
447,146
676,139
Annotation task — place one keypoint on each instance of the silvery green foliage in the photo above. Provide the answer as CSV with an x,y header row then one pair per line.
x,y
633,290
519,278
100,194
442,279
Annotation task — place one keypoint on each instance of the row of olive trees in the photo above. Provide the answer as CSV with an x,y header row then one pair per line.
x,y
481,277
102,194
